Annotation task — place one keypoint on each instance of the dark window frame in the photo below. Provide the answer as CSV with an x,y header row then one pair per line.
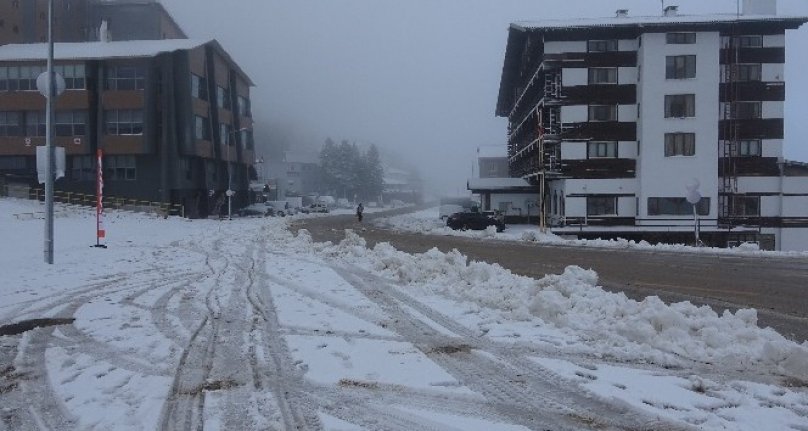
x,y
123,122
595,111
602,149
680,144
680,66
604,45
676,206
680,105
680,38
595,77
601,206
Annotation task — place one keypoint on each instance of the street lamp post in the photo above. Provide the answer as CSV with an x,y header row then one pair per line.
x,y
230,191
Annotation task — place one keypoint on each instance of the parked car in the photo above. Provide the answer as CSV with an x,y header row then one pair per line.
x,y
473,221
315,208
255,210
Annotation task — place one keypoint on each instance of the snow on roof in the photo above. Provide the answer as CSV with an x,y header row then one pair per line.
x,y
499,184
107,50
97,50
647,20
491,151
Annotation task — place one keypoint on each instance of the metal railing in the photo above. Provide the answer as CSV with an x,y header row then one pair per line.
x,y
111,202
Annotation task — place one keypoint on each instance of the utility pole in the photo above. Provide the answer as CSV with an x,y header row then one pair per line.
x,y
49,158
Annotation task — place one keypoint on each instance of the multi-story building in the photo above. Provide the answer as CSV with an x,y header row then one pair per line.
x,y
616,119
172,115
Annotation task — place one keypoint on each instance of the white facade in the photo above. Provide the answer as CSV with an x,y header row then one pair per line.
x,y
668,176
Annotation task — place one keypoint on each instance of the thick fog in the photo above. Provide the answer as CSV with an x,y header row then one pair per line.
x,y
419,78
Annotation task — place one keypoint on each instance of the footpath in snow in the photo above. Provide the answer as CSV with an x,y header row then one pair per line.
x,y
242,325
427,222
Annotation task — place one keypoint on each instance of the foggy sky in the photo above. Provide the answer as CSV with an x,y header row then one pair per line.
x,y
418,76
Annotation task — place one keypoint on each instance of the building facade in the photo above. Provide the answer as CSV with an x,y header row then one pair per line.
x,y
172,115
617,119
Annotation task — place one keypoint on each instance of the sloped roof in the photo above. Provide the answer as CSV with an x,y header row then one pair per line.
x,y
651,21
109,50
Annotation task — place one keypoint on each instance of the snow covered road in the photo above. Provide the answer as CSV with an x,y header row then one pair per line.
x,y
187,325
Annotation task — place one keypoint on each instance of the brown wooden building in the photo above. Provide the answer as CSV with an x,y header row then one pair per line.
x,y
172,114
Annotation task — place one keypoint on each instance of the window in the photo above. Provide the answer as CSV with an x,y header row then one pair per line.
x,y
225,134
744,110
126,78
70,123
602,113
745,206
124,121
603,75
244,108
120,168
680,67
35,123
680,144
747,72
199,87
601,150
83,168
247,139
676,207
74,75
680,106
748,42
19,78
601,205
223,97
680,38
9,123
750,148
602,45
201,128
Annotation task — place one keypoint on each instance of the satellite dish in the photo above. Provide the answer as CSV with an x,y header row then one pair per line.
x,y
42,83
693,196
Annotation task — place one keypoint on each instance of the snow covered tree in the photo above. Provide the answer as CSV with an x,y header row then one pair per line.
x,y
372,174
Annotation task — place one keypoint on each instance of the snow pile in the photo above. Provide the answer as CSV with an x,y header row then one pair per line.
x,y
612,323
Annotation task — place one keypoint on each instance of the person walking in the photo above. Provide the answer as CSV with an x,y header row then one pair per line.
x,y
359,210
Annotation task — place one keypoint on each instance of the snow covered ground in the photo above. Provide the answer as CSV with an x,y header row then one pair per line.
x,y
427,222
243,325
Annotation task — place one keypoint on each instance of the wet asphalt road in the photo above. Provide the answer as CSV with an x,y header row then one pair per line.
x,y
777,287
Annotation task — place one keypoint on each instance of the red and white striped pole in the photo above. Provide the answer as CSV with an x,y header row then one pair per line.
x,y
100,232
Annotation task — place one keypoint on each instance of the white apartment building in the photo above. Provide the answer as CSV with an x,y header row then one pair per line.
x,y
616,119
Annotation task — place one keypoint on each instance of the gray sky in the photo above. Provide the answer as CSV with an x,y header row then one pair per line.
x,y
417,76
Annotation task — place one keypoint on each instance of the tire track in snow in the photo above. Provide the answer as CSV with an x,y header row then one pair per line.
x,y
516,386
298,411
184,407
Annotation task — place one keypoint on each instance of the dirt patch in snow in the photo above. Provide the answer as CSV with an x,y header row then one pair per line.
x,y
27,325
452,349
350,383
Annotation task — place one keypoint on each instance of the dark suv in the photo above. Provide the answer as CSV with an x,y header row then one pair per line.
x,y
474,221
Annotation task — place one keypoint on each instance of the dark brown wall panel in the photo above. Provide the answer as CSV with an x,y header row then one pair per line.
x,y
606,131
754,90
600,94
761,128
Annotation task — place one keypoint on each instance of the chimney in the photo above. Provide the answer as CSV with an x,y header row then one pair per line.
x,y
760,7
622,13
671,10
